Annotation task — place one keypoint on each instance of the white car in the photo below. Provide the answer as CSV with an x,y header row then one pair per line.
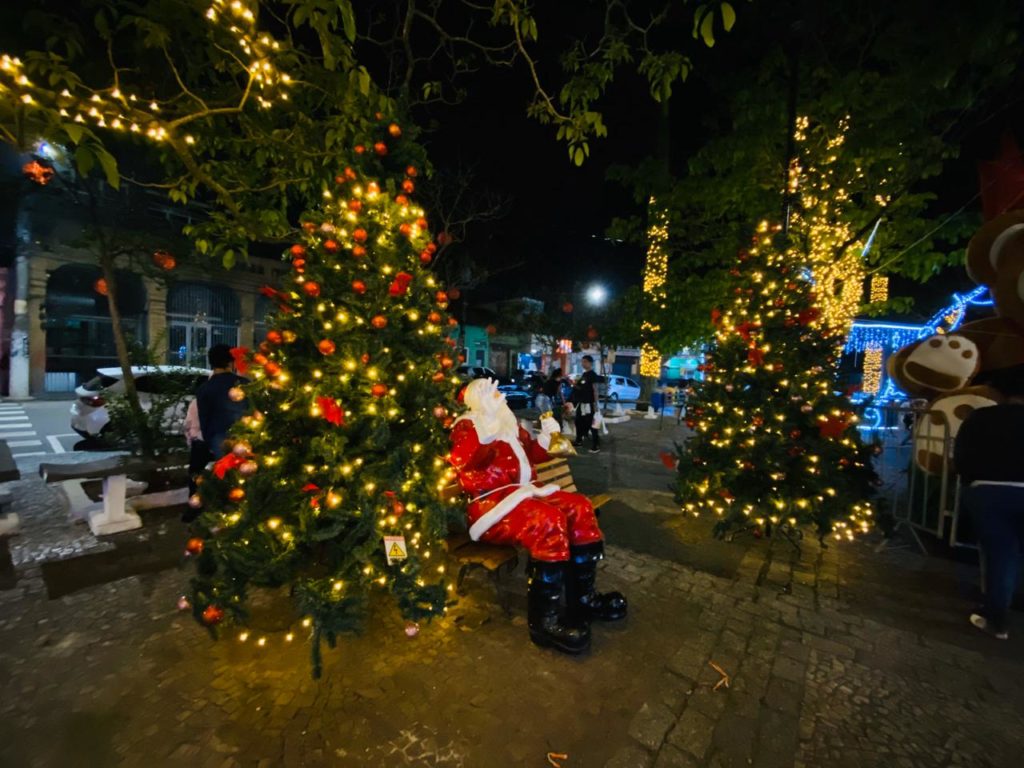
x,y
621,388
470,372
89,416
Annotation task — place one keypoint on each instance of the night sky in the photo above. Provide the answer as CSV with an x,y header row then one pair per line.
x,y
555,227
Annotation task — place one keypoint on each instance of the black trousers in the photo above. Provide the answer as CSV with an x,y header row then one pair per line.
x,y
198,457
584,424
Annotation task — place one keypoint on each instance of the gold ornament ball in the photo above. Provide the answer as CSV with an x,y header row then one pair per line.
x,y
195,501
248,467
241,448
236,394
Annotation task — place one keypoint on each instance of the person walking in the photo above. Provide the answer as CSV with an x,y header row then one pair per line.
x,y
217,411
989,456
551,391
584,399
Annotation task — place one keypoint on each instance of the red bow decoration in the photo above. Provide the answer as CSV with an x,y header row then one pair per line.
x,y
400,284
744,329
668,459
240,355
282,299
226,464
833,426
809,315
755,356
331,410
310,488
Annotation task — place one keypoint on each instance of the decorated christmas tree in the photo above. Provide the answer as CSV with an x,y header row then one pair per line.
x,y
331,484
773,443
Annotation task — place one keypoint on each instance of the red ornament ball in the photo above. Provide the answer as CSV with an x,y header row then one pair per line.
x,y
380,148
236,494
274,337
405,228
355,206
164,260
359,287
100,286
311,289
795,434
379,321
326,347
272,368
213,614
401,200
447,362
442,297
365,358
410,170
434,317
360,149
426,257
379,390
298,251
194,546
408,186
359,235
395,130
454,294
331,246
358,251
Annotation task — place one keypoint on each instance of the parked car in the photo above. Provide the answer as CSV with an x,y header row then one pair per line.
x,y
620,388
516,398
470,372
89,416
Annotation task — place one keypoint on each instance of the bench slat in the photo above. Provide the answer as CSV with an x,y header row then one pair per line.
x,y
600,500
490,556
116,465
552,474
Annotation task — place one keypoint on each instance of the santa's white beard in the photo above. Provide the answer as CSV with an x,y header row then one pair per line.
x,y
499,424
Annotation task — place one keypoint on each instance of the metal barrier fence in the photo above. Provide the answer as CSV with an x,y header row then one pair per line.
x,y
918,500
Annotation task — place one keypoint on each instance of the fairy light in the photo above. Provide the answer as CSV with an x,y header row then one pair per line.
x,y
655,276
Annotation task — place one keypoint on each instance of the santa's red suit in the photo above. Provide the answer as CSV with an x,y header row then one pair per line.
x,y
507,507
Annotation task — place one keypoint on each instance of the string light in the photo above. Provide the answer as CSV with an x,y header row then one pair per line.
x,y
655,276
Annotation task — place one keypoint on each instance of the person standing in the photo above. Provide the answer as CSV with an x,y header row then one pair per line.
x,y
584,399
217,411
989,456
551,390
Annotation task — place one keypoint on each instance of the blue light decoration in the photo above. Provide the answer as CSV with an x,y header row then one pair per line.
x,y
891,337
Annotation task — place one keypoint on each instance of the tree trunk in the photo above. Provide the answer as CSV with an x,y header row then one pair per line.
x,y
106,259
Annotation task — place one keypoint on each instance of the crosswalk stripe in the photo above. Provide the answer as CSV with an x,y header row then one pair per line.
x,y
13,418
30,453
23,443
18,434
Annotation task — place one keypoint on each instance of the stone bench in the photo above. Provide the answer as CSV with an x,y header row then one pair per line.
x,y
494,558
8,520
111,514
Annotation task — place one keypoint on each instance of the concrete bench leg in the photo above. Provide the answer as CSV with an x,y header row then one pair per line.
x,y
113,518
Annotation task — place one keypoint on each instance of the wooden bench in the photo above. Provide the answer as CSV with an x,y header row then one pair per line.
x,y
493,558
9,522
109,515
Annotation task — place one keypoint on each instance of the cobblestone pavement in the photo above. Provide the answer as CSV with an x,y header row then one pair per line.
x,y
833,657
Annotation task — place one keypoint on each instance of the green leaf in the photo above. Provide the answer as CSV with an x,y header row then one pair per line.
x,y
579,156
74,132
228,259
85,161
348,20
109,164
707,30
728,16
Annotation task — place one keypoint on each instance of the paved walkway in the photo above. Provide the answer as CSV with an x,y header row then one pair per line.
x,y
836,657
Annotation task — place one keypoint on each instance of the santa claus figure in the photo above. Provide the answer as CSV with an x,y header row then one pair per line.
x,y
495,459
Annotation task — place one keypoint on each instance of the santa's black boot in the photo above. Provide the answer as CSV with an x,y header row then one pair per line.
x,y
583,601
544,598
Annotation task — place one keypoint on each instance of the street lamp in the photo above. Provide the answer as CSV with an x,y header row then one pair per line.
x,y
597,294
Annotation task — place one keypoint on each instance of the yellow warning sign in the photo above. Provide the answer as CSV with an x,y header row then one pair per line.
x,y
395,549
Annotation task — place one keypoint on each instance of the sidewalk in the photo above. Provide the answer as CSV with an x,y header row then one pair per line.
x,y
838,657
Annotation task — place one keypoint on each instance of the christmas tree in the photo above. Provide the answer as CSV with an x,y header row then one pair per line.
x,y
331,485
773,444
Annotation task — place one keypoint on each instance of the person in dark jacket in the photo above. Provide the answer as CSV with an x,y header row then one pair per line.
x,y
989,456
217,411
584,398
552,390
